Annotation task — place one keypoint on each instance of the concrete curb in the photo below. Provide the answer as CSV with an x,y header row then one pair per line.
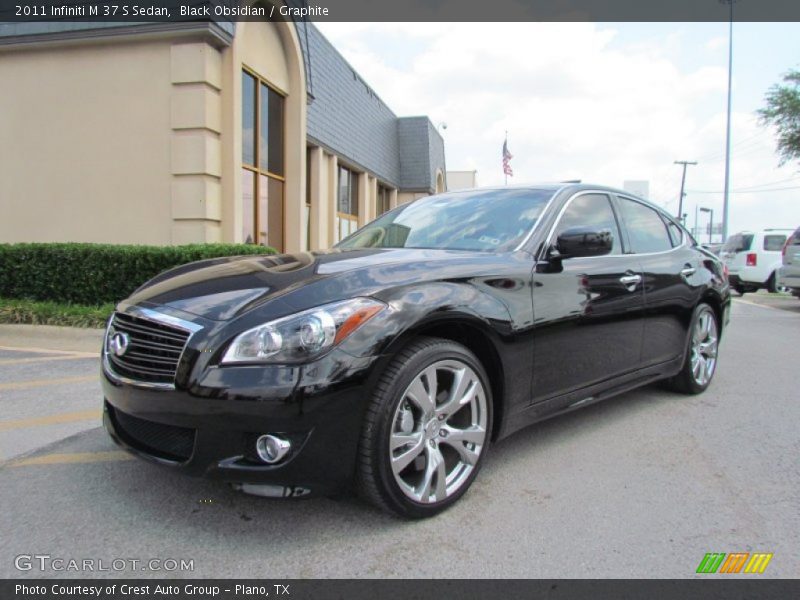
x,y
65,339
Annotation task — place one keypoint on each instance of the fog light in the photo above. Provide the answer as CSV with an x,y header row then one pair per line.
x,y
271,448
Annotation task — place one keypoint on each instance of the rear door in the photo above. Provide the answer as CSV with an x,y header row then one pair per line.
x,y
734,252
587,311
672,283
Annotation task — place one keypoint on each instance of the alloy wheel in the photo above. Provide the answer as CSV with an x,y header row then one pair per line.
x,y
438,431
705,342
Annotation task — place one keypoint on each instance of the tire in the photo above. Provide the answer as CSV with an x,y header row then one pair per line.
x,y
700,362
740,290
411,445
772,284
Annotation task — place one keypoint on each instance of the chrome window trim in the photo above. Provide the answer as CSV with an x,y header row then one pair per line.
x,y
530,233
549,238
157,317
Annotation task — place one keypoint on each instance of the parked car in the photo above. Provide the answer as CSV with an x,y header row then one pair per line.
x,y
789,276
395,360
753,259
713,248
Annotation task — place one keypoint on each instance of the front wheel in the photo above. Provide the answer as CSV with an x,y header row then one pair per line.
x,y
427,429
700,363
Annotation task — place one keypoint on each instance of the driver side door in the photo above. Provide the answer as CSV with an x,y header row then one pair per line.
x,y
588,311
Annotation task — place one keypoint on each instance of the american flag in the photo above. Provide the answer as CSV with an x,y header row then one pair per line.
x,y
507,156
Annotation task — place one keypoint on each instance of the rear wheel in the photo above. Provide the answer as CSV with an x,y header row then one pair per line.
x,y
772,284
700,363
427,429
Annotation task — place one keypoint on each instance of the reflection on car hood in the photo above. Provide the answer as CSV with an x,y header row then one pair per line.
x,y
221,289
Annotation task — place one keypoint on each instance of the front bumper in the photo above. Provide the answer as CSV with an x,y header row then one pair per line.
x,y
203,432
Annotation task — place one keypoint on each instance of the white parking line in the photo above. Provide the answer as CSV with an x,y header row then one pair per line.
x,y
759,305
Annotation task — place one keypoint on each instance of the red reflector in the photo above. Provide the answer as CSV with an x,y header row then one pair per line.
x,y
752,259
725,272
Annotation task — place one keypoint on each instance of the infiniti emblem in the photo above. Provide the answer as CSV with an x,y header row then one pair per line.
x,y
119,342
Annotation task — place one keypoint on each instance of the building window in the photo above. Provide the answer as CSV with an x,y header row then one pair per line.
x,y
383,201
262,163
347,203
307,211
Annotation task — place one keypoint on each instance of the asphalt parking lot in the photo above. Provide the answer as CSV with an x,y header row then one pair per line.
x,y
639,486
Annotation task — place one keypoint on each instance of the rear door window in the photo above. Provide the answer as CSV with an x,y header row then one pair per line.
x,y
646,230
774,242
739,242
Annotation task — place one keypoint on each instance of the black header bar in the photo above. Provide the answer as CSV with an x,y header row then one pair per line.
x,y
18,11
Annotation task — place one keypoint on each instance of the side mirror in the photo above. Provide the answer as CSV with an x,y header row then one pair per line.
x,y
576,242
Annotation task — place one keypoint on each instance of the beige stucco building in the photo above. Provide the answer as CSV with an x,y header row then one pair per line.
x,y
165,133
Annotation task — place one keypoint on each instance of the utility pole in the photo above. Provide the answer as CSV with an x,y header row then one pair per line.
x,y
685,163
728,126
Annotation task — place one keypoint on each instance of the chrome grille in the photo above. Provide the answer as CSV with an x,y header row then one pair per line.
x,y
153,352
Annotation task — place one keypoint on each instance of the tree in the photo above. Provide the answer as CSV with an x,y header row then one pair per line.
x,y
783,112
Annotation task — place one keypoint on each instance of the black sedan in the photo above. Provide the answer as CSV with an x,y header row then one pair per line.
x,y
392,362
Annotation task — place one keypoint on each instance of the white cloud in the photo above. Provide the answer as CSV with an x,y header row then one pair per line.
x,y
716,43
575,104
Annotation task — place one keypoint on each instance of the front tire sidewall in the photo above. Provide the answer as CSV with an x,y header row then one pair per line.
x,y
685,379
388,486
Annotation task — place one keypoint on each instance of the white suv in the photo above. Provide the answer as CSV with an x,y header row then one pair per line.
x,y
753,259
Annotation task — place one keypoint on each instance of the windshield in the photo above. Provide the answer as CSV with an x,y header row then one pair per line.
x,y
485,220
738,243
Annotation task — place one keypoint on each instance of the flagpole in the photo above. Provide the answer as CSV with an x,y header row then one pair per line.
x,y
505,145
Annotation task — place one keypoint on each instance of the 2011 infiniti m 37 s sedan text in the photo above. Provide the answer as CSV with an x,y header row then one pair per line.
x,y
394,361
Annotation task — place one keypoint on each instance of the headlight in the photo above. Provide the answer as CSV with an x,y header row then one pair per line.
x,y
302,336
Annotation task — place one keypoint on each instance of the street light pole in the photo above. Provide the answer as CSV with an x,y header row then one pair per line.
x,y
683,183
730,3
710,222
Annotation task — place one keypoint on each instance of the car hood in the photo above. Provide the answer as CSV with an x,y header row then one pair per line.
x,y
223,288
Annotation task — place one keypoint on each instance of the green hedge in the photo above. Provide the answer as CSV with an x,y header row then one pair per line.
x,y
94,274
31,312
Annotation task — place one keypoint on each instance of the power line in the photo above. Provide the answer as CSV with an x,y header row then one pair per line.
x,y
796,187
748,140
756,187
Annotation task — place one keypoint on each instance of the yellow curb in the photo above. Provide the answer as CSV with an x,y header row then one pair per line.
x,y
25,361
86,415
75,459
22,385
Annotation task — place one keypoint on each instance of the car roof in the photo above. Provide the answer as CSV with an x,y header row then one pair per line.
x,y
567,187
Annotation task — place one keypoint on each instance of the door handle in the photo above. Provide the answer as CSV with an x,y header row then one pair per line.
x,y
688,271
633,280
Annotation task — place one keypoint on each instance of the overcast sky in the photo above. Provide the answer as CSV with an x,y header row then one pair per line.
x,y
601,102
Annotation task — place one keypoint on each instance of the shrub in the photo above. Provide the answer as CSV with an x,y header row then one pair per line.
x,y
52,313
94,274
